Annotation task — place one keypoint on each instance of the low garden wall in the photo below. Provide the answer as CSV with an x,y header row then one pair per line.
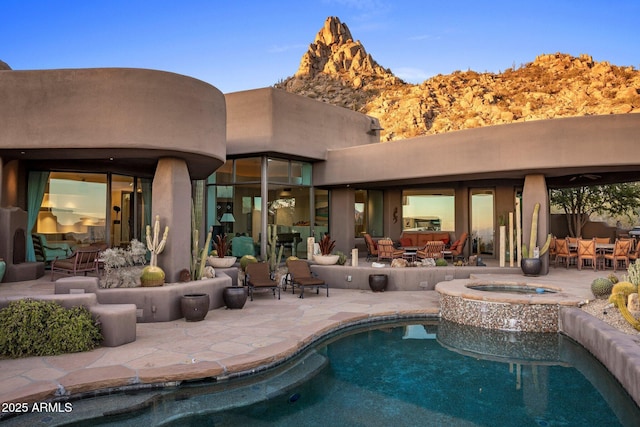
x,y
400,278
154,304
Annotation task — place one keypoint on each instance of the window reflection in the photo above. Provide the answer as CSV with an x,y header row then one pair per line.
x,y
428,210
74,208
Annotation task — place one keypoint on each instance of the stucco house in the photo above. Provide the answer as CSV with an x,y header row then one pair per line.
x,y
91,155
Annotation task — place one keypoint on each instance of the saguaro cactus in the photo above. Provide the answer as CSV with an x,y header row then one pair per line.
x,y
272,236
152,275
153,245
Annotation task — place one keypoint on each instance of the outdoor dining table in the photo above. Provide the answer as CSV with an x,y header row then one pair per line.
x,y
601,248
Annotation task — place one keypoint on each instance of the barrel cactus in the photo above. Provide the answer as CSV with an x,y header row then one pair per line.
x,y
246,260
441,262
624,289
601,287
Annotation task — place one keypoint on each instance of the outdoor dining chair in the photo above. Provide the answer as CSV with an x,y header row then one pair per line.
x,y
587,252
563,252
620,253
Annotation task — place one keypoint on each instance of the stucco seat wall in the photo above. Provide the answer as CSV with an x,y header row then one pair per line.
x,y
154,304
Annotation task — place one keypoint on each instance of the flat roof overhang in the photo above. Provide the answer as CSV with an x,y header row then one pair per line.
x,y
568,151
120,119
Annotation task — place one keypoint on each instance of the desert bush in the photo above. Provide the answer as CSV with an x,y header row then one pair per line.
x,y
45,328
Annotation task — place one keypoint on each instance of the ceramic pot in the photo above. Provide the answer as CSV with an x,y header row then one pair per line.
x,y
218,262
378,282
531,266
234,296
326,259
194,307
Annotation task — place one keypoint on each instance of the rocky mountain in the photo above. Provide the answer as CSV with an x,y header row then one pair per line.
x,y
338,70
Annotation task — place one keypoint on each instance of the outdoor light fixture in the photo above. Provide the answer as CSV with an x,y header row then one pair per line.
x,y
374,126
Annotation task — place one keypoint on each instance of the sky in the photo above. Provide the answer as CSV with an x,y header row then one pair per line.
x,y
240,45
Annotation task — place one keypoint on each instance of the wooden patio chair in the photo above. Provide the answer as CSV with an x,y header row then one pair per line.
x,y
372,248
258,276
552,249
587,252
83,260
432,249
563,252
300,276
634,254
620,253
386,250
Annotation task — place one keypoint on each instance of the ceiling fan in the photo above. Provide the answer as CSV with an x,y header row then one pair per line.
x,y
586,175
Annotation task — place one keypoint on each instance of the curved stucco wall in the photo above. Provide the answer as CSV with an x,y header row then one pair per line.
x,y
555,148
124,118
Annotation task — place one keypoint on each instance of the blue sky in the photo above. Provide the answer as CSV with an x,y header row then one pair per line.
x,y
239,45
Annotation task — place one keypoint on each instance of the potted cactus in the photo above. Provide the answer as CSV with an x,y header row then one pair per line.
x,y
531,263
220,259
152,275
326,248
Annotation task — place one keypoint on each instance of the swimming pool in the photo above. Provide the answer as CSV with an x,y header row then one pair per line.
x,y
411,373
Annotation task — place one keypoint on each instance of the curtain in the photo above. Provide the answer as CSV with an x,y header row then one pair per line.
x,y
35,193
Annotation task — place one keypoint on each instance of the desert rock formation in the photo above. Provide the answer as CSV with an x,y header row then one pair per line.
x,y
338,70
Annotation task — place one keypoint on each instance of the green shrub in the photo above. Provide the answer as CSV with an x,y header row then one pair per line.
x,y
441,262
45,328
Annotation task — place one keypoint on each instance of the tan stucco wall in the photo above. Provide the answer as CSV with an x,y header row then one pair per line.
x,y
122,120
555,147
274,121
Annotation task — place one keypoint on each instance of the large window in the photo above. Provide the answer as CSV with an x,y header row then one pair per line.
x,y
428,210
92,208
74,208
235,201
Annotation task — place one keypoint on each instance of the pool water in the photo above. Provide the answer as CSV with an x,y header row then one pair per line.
x,y
515,289
413,374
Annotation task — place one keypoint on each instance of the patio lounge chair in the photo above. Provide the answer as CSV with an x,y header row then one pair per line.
x,y
386,250
257,276
372,248
457,247
432,249
300,275
83,260
47,252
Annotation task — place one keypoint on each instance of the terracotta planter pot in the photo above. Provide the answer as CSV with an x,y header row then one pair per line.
x,y
378,282
531,266
194,307
234,296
